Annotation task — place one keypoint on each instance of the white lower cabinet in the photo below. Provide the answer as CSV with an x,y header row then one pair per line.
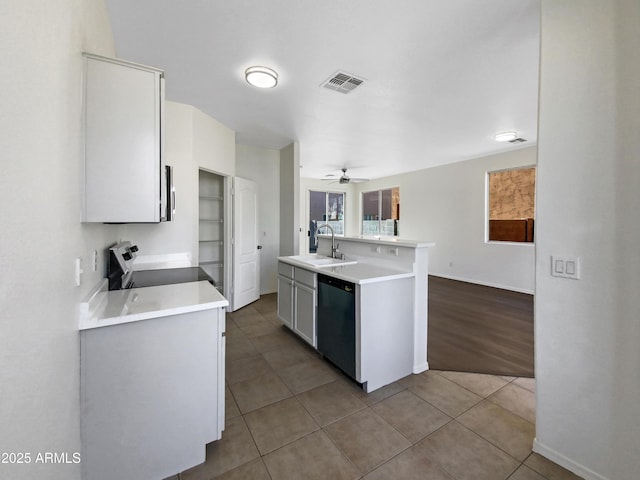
x,y
305,312
384,322
285,300
152,395
297,290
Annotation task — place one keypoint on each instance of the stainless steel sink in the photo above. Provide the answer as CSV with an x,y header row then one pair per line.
x,y
321,261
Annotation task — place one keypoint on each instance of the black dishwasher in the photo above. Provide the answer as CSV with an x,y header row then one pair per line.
x,y
336,323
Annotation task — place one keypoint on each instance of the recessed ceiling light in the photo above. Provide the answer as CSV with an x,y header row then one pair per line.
x,y
261,77
506,136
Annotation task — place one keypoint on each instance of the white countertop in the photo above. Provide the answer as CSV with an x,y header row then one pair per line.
x,y
360,272
105,308
382,240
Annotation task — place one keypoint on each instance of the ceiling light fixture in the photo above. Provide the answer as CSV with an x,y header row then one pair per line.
x,y
261,77
506,136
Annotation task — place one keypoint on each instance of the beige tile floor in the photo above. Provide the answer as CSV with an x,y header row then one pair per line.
x,y
291,415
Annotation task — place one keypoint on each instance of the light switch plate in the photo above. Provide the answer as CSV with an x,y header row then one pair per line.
x,y
565,267
78,271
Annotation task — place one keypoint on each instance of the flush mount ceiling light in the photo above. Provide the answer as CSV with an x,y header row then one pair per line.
x,y
261,77
506,136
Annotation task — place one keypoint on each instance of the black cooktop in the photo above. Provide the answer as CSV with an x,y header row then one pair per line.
x,y
121,275
167,276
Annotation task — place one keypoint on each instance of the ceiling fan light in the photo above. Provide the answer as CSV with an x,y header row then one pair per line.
x,y
506,136
261,77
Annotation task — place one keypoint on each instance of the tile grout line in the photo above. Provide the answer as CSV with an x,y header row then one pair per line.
x,y
322,428
412,444
242,414
520,463
454,419
486,399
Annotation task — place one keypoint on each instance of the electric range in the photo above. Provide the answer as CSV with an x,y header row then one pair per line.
x,y
122,276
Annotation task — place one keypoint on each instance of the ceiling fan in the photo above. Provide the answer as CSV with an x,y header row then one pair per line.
x,y
344,179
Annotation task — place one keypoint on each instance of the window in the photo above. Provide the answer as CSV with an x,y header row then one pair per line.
x,y
381,212
325,207
511,204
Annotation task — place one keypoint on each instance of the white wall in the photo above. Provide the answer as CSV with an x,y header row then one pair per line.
x,y
214,145
181,234
214,150
446,205
263,167
587,331
40,135
193,140
290,200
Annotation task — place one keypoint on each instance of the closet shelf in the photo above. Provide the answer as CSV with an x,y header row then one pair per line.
x,y
213,264
212,229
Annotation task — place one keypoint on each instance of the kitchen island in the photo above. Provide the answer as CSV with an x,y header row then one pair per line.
x,y
152,379
388,319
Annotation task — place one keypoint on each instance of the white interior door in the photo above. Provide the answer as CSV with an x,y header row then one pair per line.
x,y
246,251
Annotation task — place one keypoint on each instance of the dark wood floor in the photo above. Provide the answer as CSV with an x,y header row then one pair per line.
x,y
473,328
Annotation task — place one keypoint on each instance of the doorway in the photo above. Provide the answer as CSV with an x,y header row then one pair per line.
x,y
211,226
324,207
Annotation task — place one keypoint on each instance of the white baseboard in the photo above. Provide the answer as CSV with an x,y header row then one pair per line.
x,y
486,284
565,462
422,367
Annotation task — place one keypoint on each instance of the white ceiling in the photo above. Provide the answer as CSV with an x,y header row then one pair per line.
x,y
442,76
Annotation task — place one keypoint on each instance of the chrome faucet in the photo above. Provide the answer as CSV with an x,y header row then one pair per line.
x,y
334,248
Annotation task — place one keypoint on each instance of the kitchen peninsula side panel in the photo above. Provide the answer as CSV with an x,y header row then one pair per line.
x,y
152,395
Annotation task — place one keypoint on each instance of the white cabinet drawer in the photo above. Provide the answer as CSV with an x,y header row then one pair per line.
x,y
285,269
305,277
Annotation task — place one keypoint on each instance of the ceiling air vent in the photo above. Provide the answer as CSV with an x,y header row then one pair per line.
x,y
342,82
518,140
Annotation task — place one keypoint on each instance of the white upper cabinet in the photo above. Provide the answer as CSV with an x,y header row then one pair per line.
x,y
123,141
